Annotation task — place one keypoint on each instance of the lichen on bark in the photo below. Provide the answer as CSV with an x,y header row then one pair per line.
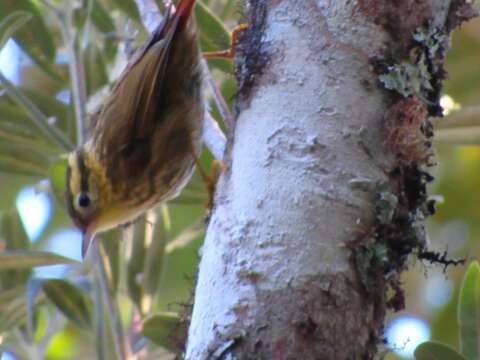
x,y
412,72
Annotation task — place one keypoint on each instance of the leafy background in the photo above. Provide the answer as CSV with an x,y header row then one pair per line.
x,y
127,298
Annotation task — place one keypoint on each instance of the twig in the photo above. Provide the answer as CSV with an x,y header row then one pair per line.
x,y
464,135
468,116
88,25
150,14
77,74
218,97
50,6
214,137
121,345
99,324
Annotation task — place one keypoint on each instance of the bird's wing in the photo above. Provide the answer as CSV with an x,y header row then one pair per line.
x,y
124,126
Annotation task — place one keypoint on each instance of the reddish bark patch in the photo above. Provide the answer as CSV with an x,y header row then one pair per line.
x,y
398,18
280,347
372,9
326,317
407,133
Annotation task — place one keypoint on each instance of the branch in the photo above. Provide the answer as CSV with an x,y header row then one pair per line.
x,y
77,74
460,127
465,135
214,137
150,14
121,344
468,116
217,96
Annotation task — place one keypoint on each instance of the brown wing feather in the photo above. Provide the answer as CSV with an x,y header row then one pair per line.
x,y
132,111
146,131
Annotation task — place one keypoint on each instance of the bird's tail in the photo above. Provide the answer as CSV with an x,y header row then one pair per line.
x,y
184,12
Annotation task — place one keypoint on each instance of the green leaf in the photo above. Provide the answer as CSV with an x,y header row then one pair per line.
x,y
35,39
186,236
146,262
129,7
13,166
15,159
69,300
22,150
13,315
54,109
26,259
111,242
136,262
228,9
57,173
213,36
194,193
38,118
13,233
33,296
211,27
101,18
468,312
432,350
95,69
165,329
10,24
7,296
15,130
154,259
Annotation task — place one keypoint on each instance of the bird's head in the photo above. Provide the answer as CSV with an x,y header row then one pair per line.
x,y
88,195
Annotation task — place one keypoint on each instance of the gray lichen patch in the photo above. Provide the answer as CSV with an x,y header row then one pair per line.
x,y
381,253
420,72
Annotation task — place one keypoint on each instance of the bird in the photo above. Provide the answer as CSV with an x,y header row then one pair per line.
x,y
145,138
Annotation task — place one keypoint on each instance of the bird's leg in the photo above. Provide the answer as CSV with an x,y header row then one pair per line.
x,y
210,181
230,53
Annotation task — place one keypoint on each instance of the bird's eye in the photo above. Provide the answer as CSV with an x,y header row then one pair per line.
x,y
84,200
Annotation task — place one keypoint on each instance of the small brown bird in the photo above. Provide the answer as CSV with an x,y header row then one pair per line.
x,y
146,136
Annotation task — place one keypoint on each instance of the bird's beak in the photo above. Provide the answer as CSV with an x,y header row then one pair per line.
x,y
88,239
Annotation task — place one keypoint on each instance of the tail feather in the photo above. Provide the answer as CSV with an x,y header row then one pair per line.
x,y
184,11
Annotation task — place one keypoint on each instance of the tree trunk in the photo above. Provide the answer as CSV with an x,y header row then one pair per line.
x,y
323,196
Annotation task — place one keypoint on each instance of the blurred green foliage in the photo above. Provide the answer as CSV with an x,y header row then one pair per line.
x,y
468,316
130,295
150,279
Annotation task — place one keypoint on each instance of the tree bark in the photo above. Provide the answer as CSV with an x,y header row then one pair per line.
x,y
290,266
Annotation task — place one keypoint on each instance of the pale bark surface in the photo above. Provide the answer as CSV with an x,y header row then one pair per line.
x,y
276,280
